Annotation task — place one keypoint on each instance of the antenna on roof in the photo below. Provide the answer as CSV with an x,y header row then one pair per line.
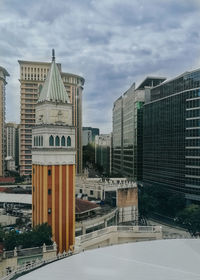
x,y
53,55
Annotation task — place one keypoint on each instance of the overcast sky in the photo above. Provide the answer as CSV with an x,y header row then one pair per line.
x,y
111,43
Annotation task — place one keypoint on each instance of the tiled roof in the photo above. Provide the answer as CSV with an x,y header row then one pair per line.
x,y
3,189
84,206
54,89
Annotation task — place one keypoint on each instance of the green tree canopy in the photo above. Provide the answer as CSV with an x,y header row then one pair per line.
x,y
37,237
2,234
88,155
154,199
190,218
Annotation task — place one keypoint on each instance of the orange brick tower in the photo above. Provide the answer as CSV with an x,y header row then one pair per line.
x,y
53,161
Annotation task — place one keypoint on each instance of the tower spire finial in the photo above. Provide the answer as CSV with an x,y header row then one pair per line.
x,y
53,55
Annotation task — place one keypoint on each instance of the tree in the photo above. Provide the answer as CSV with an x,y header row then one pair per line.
x,y
11,240
158,200
88,155
2,234
42,234
190,218
37,237
147,204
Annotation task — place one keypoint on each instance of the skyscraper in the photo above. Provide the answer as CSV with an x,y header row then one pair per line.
x,y
32,77
128,128
3,75
171,156
53,159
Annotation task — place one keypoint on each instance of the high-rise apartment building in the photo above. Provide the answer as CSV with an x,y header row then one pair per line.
x,y
3,75
171,138
53,159
128,128
32,77
12,142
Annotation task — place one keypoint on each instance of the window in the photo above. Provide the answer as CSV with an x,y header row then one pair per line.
x,y
57,141
63,141
41,140
34,141
51,141
49,191
91,192
80,191
49,211
69,141
49,172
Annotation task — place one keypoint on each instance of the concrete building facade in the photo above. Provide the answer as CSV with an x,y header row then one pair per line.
x,y
53,161
32,77
3,75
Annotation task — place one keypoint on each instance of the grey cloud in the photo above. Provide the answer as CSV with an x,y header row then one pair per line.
x,y
110,43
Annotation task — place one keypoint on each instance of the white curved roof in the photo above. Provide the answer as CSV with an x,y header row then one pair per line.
x,y
16,198
151,260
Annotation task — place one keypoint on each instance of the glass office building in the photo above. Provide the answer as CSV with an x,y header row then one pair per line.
x,y
128,130
171,135
117,149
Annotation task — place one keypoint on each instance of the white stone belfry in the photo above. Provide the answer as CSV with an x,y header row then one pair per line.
x,y
53,134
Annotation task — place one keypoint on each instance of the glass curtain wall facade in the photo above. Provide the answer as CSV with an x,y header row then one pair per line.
x,y
117,166
138,140
171,149
128,133
128,130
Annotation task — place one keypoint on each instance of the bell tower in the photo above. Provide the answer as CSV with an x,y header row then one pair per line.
x,y
53,161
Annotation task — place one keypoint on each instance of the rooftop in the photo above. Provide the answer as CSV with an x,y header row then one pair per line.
x,y
163,259
15,198
151,81
83,206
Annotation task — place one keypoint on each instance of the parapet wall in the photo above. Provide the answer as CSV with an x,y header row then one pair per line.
x,y
117,235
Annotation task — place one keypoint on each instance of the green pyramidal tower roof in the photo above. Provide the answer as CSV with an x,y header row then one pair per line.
x,y
53,88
